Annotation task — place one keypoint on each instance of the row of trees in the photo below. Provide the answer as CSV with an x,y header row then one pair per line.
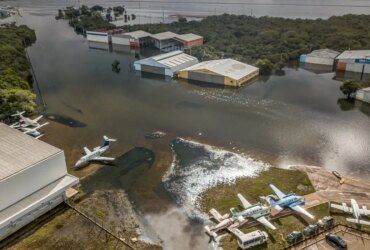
x,y
270,42
15,77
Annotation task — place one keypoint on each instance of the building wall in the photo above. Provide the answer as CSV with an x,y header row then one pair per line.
x,y
319,60
31,179
183,74
100,38
363,95
240,82
193,43
367,69
121,40
206,77
34,213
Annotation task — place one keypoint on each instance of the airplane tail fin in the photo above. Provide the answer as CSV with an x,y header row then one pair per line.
x,y
233,211
107,140
18,113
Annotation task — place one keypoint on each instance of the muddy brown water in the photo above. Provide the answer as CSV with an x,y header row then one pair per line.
x,y
299,117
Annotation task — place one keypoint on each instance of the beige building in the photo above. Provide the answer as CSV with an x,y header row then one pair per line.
x,y
226,72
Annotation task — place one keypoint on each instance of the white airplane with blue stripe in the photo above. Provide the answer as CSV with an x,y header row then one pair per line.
x,y
290,200
95,155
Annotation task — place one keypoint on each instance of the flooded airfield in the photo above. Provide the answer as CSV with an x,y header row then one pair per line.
x,y
299,117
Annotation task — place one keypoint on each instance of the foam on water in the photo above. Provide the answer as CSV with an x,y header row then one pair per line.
x,y
197,167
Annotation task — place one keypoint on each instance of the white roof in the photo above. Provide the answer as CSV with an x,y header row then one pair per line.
x,y
19,151
188,37
365,89
226,67
164,35
138,34
177,60
324,53
354,54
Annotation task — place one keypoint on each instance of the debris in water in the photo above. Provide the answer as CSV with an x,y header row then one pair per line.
x,y
155,135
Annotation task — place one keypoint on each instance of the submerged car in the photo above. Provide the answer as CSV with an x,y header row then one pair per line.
x,y
336,241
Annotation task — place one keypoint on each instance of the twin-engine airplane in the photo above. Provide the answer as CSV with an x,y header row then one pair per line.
x,y
290,200
33,131
256,211
355,210
25,121
95,155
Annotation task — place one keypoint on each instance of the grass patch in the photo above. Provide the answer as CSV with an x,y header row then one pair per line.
x,y
223,197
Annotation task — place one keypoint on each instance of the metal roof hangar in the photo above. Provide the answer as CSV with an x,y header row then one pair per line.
x,y
33,179
166,64
354,61
227,72
320,56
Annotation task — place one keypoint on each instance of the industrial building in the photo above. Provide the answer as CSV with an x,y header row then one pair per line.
x,y
354,61
227,72
166,64
363,95
320,56
33,179
135,39
189,40
165,41
101,36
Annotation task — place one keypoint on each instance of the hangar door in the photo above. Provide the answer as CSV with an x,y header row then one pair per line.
x,y
206,77
153,69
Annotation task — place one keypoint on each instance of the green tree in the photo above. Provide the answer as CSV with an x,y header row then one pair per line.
x,y
349,87
265,66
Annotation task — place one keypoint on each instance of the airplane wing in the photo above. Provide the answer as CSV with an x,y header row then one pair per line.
x,y
341,207
37,137
277,191
301,210
217,216
266,223
100,158
244,201
364,211
38,118
87,151
15,125
363,222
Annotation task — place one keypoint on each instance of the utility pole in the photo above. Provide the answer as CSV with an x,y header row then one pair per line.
x,y
162,14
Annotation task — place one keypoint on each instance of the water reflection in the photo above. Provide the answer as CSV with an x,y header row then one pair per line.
x,y
351,104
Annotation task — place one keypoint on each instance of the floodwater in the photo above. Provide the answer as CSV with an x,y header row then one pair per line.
x,y
299,117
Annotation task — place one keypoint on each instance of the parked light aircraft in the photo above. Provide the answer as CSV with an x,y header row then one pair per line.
x,y
95,155
290,200
256,211
223,222
355,210
25,121
33,131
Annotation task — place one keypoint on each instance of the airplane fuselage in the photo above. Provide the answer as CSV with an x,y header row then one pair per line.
x,y
290,200
355,209
96,153
255,211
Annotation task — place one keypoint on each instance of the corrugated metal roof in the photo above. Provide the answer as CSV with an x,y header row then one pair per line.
x,y
354,54
188,37
226,67
138,34
164,35
324,53
19,151
175,60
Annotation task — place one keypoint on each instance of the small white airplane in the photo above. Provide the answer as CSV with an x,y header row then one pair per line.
x,y
33,131
25,121
256,211
95,155
223,222
355,210
290,200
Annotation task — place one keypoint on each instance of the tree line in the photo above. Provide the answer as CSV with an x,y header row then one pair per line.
x,y
269,42
15,76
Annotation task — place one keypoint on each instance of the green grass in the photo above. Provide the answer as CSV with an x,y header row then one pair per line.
x,y
223,197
